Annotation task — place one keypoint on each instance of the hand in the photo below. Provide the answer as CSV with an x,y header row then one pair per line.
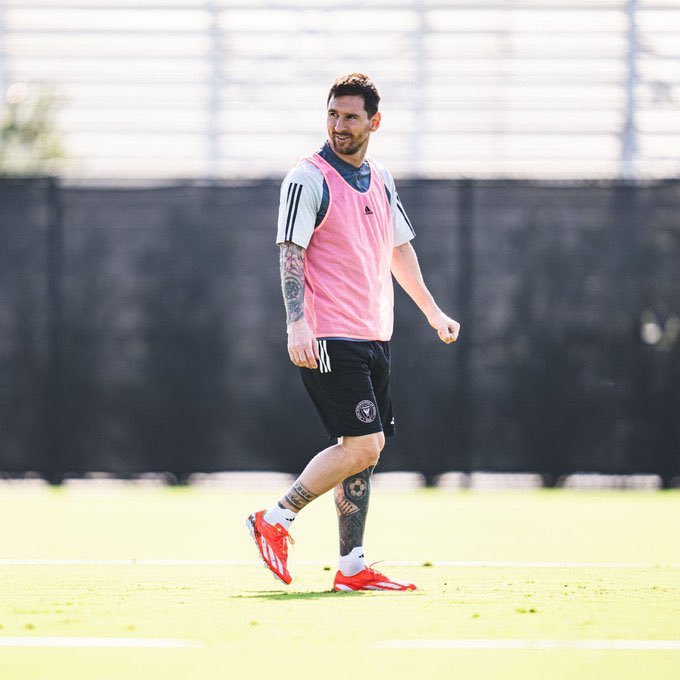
x,y
302,346
447,329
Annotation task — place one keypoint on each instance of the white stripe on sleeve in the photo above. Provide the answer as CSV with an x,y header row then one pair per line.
x,y
299,203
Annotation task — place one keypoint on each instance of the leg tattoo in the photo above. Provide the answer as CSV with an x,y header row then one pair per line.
x,y
298,496
351,503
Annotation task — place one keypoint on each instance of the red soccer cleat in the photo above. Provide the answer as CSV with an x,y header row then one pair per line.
x,y
272,543
369,579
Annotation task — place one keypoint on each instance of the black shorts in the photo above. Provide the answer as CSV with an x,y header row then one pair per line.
x,y
351,387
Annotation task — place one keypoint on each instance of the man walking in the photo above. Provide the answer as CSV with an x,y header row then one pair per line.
x,y
342,234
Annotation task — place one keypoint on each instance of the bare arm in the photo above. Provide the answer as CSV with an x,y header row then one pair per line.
x,y
407,272
302,348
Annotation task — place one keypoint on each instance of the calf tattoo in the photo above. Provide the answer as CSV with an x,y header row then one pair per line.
x,y
351,504
298,496
292,264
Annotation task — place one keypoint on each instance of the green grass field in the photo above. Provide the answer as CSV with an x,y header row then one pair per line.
x,y
614,580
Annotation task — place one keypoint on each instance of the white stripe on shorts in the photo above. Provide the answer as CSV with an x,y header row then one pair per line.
x,y
324,359
319,344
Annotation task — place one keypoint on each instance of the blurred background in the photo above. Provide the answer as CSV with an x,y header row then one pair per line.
x,y
536,147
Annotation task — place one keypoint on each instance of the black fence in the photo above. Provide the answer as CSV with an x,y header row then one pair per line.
x,y
143,329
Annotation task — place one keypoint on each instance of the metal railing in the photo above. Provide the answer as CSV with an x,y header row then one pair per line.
x,y
470,88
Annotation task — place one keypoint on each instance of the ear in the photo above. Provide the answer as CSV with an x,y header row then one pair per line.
x,y
375,121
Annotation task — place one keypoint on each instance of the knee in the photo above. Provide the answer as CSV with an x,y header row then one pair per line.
x,y
364,450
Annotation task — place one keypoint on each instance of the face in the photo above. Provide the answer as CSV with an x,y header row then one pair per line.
x,y
349,127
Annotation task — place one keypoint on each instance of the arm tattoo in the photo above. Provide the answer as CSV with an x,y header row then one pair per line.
x,y
351,503
293,280
298,496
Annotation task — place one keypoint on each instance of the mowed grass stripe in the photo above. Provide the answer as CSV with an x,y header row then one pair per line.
x,y
164,643
130,643
644,645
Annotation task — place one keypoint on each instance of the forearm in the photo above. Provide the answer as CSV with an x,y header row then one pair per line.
x,y
292,265
406,271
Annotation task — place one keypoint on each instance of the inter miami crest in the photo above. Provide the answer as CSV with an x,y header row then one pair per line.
x,y
365,411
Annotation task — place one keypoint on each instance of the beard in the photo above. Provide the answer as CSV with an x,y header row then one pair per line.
x,y
348,146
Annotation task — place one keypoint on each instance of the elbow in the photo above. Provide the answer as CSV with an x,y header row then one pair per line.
x,y
399,255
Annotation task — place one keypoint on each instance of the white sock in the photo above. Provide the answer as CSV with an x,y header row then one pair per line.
x,y
279,515
353,563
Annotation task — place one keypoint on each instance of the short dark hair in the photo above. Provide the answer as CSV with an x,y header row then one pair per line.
x,y
359,85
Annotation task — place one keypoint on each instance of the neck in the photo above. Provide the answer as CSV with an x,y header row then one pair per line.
x,y
355,159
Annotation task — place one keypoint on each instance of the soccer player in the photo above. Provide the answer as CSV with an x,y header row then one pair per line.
x,y
343,233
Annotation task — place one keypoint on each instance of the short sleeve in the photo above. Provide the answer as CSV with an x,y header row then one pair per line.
x,y
403,229
299,203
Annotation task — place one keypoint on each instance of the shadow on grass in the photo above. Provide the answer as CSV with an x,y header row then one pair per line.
x,y
286,595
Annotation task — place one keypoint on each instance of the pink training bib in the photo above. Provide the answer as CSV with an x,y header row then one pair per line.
x,y
348,282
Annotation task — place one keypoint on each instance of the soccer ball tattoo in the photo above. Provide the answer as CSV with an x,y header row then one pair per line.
x,y
356,488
